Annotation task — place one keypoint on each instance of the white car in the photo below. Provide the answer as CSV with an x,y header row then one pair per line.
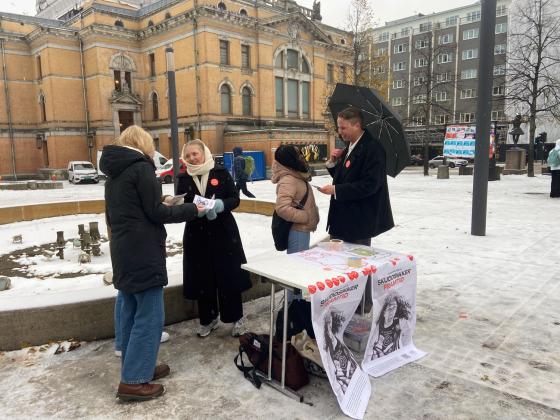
x,y
451,162
82,171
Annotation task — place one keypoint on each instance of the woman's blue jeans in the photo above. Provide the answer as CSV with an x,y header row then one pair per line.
x,y
141,323
297,241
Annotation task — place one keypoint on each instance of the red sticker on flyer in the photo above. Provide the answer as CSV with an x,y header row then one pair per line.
x,y
312,289
347,164
214,182
320,285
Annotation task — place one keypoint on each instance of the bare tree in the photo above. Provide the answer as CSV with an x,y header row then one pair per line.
x,y
431,85
533,60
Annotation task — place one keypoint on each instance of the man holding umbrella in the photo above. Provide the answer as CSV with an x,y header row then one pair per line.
x,y
360,208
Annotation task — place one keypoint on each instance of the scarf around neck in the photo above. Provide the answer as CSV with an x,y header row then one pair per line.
x,y
202,171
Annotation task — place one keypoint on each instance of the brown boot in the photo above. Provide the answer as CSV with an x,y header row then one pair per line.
x,y
161,371
139,392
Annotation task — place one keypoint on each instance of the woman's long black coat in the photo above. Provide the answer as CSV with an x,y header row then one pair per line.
x,y
213,247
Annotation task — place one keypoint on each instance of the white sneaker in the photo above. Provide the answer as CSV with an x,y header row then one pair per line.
x,y
239,327
164,337
118,353
205,330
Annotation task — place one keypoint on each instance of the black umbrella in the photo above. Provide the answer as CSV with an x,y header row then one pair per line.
x,y
382,122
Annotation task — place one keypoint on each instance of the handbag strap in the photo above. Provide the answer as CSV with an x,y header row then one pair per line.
x,y
302,202
250,373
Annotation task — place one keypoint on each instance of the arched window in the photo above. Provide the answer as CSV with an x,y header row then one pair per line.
x,y
150,23
225,97
292,83
119,23
122,67
243,12
222,6
43,108
246,101
155,106
167,15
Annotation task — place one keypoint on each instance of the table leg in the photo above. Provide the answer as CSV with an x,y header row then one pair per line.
x,y
284,338
271,336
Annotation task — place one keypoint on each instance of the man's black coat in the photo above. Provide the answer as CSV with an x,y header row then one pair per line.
x,y
362,208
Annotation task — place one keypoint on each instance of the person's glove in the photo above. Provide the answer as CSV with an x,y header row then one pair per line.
x,y
219,206
211,214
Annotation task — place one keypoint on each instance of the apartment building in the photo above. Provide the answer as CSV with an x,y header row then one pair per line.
x,y
437,55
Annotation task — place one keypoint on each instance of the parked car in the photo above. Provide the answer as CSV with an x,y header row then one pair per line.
x,y
159,159
165,173
451,162
82,171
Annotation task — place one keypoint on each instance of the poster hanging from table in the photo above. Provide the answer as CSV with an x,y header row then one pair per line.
x,y
333,302
460,141
390,343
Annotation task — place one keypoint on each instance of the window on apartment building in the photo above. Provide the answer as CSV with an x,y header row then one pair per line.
x,y
440,96
397,84
399,66
418,81
342,74
468,93
499,49
405,31
470,34
500,70
418,120
419,99
444,58
501,10
497,115
246,102
39,68
381,51
330,73
451,20
384,36
305,99
152,61
293,98
425,27
224,52
442,119
378,70
473,16
43,108
225,99
421,43
467,117
155,106
442,77
399,48
420,62
279,62
445,39
128,80
396,101
501,28
293,94
470,54
499,90
469,74
245,56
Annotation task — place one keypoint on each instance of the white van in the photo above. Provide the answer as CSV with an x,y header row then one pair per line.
x,y
82,171
159,160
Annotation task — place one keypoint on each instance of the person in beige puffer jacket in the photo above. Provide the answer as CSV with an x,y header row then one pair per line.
x,y
291,175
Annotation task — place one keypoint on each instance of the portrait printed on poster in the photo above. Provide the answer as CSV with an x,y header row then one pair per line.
x,y
340,357
392,329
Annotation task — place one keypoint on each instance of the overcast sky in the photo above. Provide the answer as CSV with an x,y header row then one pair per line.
x,y
334,11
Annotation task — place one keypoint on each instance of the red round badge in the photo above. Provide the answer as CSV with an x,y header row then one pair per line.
x,y
347,164
410,257
320,285
342,279
329,283
312,289
335,281
214,182
373,269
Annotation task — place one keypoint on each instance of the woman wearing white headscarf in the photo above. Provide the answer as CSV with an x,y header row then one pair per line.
x,y
554,162
212,249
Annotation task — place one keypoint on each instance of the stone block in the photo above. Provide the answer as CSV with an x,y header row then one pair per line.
x,y
5,283
466,170
443,172
515,159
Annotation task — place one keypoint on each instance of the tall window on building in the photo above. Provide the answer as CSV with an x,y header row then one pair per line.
x,y
342,74
330,73
122,67
245,56
155,106
39,68
293,78
224,52
246,102
225,97
152,59
117,80
43,108
279,91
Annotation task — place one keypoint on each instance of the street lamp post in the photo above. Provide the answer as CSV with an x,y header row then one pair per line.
x,y
173,114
